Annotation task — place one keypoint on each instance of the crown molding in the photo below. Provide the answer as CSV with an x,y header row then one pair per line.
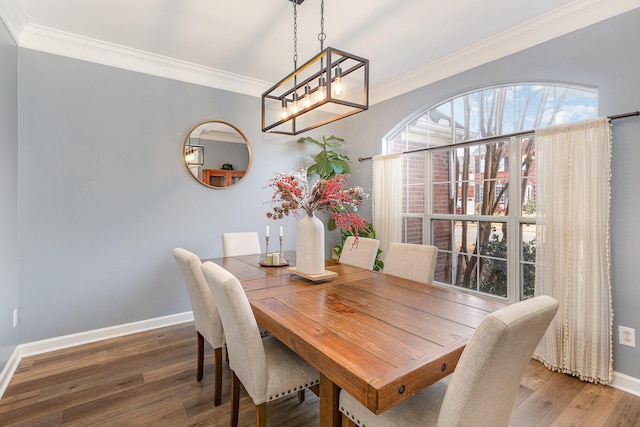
x,y
576,15
561,21
13,16
73,46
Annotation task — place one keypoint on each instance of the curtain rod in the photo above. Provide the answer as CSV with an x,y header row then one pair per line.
x,y
505,136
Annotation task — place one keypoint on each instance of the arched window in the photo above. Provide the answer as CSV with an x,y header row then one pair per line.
x,y
467,160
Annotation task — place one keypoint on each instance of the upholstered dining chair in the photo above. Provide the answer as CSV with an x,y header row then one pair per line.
x,y
411,261
240,243
267,368
483,387
361,253
205,314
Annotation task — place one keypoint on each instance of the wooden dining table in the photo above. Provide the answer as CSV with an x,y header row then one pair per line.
x,y
380,337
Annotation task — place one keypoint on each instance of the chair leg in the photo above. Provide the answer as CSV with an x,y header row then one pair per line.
x,y
261,415
235,399
217,387
301,396
200,356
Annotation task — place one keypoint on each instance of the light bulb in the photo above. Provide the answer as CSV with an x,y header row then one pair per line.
x,y
337,83
307,96
294,104
284,112
322,89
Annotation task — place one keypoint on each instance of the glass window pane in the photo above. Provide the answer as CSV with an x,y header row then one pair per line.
x,y
412,231
441,237
527,259
492,239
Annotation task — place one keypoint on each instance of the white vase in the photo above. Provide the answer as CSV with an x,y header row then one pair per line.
x,y
310,245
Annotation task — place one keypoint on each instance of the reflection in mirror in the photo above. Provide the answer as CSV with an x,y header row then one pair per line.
x,y
217,154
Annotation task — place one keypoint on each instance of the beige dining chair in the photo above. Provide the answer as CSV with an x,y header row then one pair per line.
x,y
205,315
266,368
411,261
484,385
361,253
240,243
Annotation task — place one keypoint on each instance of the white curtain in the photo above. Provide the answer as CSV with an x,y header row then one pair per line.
x,y
387,199
573,258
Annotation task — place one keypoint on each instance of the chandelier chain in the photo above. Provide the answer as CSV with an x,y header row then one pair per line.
x,y
322,36
295,36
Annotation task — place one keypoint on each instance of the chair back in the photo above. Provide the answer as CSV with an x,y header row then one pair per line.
x,y
244,345
411,261
361,254
485,383
205,312
241,243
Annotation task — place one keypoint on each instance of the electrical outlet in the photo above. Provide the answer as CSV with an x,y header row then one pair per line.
x,y
627,336
15,317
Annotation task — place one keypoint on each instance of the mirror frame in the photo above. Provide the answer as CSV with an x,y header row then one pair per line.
x,y
242,135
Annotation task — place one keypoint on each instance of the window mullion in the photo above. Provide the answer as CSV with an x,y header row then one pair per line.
x,y
513,233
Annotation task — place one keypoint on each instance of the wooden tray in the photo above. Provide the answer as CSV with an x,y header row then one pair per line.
x,y
322,277
282,264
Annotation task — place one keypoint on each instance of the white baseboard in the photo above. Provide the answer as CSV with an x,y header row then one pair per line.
x,y
8,371
626,383
57,343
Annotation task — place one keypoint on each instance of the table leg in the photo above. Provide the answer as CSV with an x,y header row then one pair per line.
x,y
329,399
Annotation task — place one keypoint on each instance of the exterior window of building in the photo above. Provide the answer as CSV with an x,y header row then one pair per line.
x,y
461,191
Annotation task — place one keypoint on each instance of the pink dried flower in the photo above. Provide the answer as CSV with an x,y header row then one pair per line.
x,y
292,193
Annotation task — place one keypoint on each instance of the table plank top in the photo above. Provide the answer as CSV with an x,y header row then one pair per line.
x,y
380,337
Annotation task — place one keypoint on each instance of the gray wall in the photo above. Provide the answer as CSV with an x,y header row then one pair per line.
x,y
98,220
8,193
105,194
605,56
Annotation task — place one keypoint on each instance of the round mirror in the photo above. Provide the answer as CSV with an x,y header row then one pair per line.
x,y
217,154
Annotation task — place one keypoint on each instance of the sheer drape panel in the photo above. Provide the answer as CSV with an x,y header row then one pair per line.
x,y
387,198
573,170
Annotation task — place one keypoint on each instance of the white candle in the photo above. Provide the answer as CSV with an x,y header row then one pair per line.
x,y
280,231
267,232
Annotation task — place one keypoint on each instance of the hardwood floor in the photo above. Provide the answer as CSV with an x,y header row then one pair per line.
x,y
149,379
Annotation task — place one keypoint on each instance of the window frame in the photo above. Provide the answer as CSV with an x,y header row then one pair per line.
x,y
444,114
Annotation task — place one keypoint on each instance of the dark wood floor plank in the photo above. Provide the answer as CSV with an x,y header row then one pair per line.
x,y
149,379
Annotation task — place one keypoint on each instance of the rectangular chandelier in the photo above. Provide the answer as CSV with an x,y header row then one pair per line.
x,y
330,86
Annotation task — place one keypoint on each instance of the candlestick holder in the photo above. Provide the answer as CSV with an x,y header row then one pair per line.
x,y
266,249
282,260
274,259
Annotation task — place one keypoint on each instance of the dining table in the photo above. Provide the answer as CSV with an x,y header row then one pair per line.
x,y
381,338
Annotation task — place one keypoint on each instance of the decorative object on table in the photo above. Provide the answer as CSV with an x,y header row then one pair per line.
x,y
330,86
294,195
275,259
329,163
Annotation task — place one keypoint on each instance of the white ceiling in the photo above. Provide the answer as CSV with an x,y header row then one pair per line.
x,y
246,46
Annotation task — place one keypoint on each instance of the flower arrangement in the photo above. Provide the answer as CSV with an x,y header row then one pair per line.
x,y
294,193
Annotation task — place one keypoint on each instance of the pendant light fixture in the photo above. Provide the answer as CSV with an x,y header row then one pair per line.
x,y
330,86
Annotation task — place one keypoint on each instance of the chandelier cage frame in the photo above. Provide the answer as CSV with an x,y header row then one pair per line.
x,y
336,69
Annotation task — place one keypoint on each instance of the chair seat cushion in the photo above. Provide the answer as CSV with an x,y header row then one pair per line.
x,y
286,371
419,410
